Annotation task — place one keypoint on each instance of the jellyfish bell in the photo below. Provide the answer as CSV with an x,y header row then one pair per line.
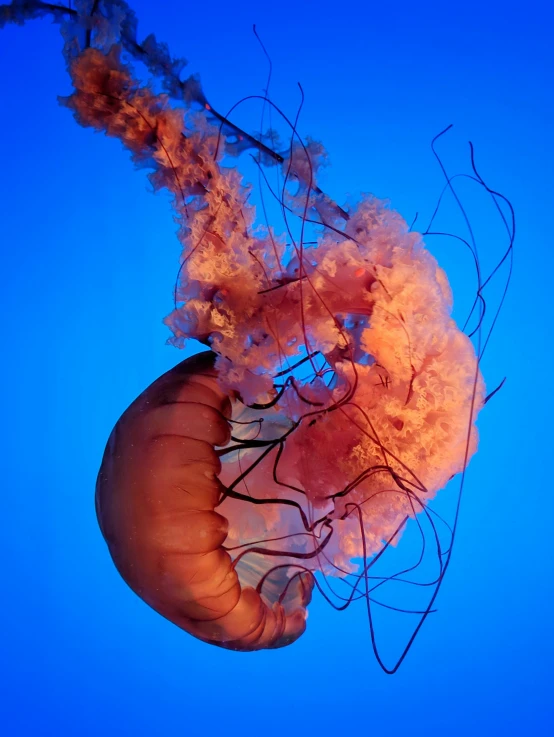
x,y
156,495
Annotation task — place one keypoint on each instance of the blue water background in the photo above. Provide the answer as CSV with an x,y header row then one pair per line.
x,y
89,257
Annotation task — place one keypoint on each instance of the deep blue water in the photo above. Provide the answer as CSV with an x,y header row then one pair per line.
x,y
88,262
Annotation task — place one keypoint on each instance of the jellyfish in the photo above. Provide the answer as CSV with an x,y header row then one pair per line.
x,y
334,395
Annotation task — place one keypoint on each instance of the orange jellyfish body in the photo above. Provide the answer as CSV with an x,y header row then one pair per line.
x,y
156,495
